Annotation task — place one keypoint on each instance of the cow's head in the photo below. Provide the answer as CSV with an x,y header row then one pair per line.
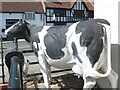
x,y
17,30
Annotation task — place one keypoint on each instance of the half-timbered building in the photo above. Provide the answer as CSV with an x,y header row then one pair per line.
x,y
62,13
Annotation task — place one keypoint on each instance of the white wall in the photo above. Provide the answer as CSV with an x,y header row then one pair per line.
x,y
119,22
38,18
108,9
9,16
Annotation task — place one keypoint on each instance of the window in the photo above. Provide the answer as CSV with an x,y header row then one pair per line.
x,y
60,13
10,22
90,14
49,12
30,15
79,13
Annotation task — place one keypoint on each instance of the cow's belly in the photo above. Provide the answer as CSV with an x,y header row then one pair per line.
x,y
60,63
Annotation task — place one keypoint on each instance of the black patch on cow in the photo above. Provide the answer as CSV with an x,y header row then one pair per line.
x,y
32,36
91,37
102,21
86,38
34,33
74,48
78,58
80,27
90,31
55,40
35,50
18,30
75,53
94,50
27,35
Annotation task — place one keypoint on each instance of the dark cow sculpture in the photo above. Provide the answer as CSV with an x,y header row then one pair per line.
x,y
83,46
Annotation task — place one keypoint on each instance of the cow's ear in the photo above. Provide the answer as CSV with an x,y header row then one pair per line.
x,y
21,20
26,22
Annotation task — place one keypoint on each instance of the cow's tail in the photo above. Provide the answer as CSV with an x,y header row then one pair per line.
x,y
107,39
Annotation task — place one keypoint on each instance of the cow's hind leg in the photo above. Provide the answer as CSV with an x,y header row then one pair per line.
x,y
112,77
44,69
89,82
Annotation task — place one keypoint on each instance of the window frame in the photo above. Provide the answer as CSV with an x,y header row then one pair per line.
x,y
29,15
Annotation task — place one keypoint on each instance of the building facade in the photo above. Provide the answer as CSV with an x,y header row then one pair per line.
x,y
12,11
68,12
47,13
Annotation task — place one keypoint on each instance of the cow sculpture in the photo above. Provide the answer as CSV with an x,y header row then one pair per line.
x,y
83,46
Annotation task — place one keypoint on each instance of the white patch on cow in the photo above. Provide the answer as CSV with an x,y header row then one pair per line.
x,y
86,64
41,36
71,30
35,45
7,30
76,39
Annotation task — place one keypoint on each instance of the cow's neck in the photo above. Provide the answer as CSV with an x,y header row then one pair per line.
x,y
27,34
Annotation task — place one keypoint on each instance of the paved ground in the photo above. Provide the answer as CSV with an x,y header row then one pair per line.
x,y
35,69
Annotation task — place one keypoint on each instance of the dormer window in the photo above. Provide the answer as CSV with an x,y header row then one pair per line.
x,y
30,15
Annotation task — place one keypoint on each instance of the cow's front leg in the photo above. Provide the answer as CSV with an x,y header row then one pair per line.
x,y
49,72
89,82
44,69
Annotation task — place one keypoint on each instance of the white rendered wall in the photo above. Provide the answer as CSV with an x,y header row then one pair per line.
x,y
9,16
38,19
108,9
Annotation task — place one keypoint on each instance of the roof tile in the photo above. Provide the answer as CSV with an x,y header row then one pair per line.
x,y
22,7
38,6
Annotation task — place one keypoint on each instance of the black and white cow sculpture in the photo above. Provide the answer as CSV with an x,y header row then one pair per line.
x,y
83,46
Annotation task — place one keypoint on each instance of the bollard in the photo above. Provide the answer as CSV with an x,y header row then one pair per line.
x,y
15,76
14,61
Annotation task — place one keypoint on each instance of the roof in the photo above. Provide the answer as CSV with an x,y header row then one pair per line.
x,y
22,7
89,4
69,5
38,6
59,4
